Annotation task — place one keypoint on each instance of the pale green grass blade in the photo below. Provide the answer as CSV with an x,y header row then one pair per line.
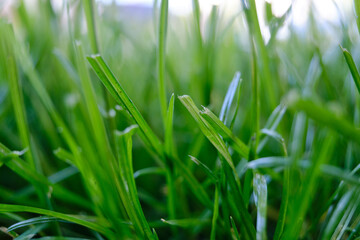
x,y
124,147
337,215
260,194
161,56
89,8
70,218
357,11
229,98
350,62
34,221
114,87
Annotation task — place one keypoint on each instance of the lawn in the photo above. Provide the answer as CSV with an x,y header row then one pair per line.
x,y
133,122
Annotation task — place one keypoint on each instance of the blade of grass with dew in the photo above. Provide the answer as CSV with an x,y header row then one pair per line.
x,y
260,194
124,147
208,131
161,57
225,132
350,62
112,84
70,218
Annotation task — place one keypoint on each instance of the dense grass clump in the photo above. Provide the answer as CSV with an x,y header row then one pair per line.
x,y
102,135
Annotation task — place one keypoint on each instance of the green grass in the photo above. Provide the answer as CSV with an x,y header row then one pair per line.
x,y
122,126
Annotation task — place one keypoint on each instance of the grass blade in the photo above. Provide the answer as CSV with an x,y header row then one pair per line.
x,y
70,218
112,84
350,62
260,193
161,56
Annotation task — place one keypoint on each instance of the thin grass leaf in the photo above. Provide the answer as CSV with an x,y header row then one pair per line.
x,y
187,223
34,221
234,232
205,168
161,56
147,171
169,138
207,130
350,62
70,218
124,144
30,233
215,213
357,12
225,132
229,98
337,215
260,194
114,87
89,8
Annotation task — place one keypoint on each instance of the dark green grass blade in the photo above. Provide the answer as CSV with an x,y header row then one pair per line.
x,y
112,84
350,62
70,218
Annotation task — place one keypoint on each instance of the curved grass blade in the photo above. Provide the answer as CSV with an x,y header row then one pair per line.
x,y
34,221
350,62
70,218
30,233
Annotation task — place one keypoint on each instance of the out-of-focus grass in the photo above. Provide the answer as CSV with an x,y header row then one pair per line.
x,y
102,135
